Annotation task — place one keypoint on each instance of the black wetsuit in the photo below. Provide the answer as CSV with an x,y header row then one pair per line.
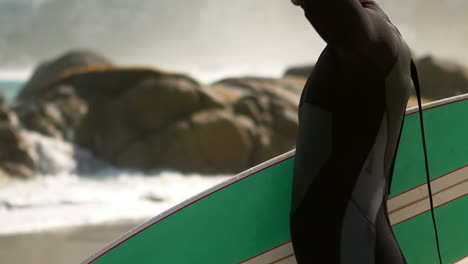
x,y
350,118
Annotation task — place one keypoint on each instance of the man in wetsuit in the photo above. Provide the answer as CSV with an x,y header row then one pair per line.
x,y
350,118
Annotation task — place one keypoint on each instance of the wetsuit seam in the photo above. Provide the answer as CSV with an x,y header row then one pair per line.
x,y
371,152
397,57
359,208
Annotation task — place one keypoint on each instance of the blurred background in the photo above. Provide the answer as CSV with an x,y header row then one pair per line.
x,y
113,111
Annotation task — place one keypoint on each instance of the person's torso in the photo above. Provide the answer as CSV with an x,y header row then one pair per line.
x,y
362,89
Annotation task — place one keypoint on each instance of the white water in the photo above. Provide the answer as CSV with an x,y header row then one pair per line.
x,y
63,196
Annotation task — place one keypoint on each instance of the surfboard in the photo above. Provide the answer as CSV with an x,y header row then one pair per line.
x,y
246,218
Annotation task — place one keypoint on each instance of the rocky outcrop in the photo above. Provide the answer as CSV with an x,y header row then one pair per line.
x,y
15,161
441,78
149,119
125,118
171,121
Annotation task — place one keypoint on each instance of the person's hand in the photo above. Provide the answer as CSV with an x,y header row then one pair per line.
x,y
296,2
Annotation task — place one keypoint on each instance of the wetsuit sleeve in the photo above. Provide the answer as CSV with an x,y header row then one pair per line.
x,y
339,21
346,24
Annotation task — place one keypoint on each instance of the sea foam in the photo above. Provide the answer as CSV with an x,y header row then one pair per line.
x,y
64,195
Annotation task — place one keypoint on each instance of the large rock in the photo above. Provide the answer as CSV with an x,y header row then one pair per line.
x,y
110,111
259,123
123,119
441,78
149,119
15,160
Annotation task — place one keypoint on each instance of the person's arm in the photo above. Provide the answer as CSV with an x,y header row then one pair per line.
x,y
343,23
348,26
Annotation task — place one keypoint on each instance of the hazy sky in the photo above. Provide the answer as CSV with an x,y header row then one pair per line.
x,y
204,34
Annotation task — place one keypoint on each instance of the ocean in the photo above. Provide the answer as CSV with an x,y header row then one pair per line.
x,y
10,89
207,39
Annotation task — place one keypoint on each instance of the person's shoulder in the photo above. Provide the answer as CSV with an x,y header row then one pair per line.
x,y
386,38
379,18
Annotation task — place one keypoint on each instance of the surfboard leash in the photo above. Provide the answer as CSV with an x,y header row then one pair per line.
x,y
414,76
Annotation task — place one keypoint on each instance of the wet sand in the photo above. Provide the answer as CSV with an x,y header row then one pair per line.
x,y
60,246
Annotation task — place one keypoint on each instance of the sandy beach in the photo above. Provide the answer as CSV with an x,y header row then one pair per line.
x,y
60,246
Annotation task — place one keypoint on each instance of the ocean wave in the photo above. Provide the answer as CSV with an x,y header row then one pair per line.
x,y
66,195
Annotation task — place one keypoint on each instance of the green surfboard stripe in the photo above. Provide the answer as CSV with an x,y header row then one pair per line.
x,y
447,146
416,236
